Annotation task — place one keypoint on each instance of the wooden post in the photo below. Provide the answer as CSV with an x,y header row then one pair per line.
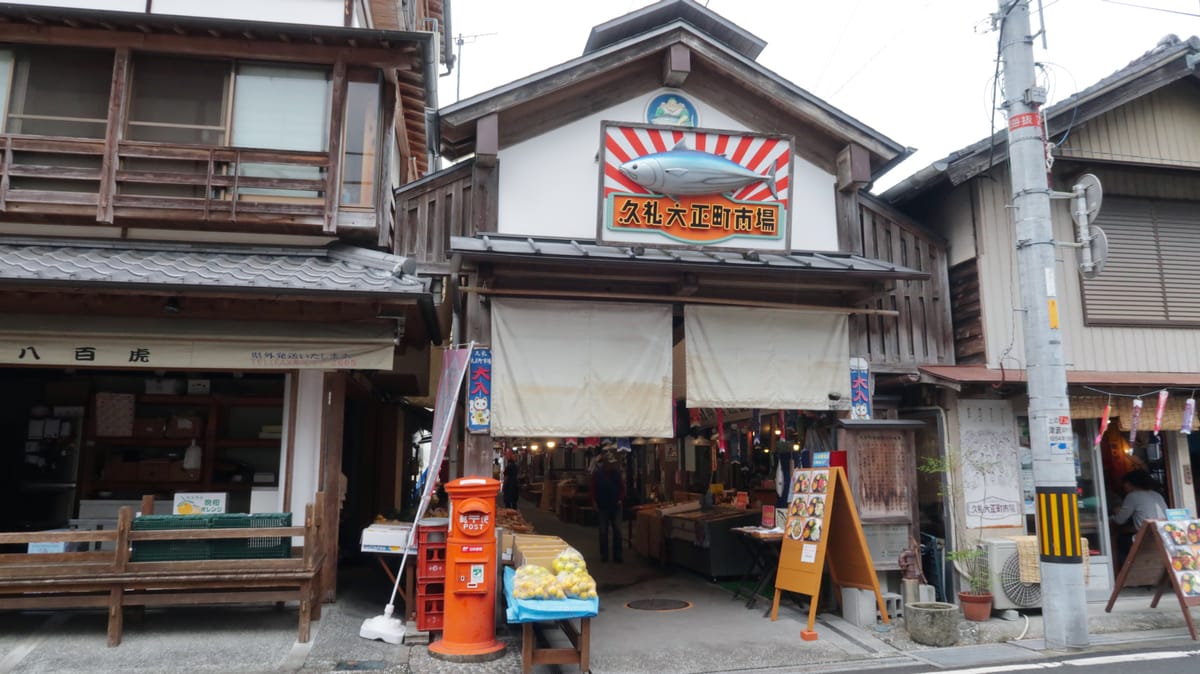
x,y
333,174
148,504
332,426
385,200
112,136
477,447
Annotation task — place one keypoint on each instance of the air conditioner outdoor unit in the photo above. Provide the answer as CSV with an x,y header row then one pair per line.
x,y
1004,567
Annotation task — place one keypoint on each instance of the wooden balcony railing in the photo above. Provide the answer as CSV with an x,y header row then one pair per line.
x,y
188,184
431,210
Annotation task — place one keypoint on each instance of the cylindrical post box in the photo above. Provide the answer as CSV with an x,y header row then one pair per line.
x,y
469,630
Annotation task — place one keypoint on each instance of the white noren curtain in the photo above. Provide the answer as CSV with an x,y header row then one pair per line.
x,y
787,359
580,369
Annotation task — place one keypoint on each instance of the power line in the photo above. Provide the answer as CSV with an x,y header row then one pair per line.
x,y
1156,9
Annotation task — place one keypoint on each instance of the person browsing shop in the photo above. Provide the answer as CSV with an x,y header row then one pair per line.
x,y
608,492
1142,502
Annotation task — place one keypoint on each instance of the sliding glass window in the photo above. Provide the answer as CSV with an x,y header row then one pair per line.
x,y
55,91
179,100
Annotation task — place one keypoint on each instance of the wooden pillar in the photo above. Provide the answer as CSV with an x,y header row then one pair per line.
x,y
333,176
332,429
477,447
112,135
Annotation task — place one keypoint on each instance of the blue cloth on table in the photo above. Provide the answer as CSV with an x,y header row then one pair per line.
x,y
538,610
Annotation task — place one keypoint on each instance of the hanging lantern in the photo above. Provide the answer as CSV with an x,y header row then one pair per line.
x,y
1103,423
1189,416
1137,415
1158,413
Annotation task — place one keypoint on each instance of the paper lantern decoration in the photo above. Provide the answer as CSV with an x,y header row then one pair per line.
x,y
1103,422
1137,415
1189,416
1158,414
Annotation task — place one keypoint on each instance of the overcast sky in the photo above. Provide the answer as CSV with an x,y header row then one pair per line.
x,y
918,71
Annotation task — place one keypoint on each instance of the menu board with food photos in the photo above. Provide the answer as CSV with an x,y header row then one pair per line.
x,y
822,522
1166,554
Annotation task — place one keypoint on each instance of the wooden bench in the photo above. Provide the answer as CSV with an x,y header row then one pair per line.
x,y
109,579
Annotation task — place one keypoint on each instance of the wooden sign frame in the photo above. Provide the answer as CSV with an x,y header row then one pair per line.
x,y
823,524
1150,562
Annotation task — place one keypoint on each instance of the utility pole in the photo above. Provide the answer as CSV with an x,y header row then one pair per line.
x,y
1064,607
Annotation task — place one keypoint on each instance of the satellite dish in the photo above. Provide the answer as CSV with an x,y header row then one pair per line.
x,y
1092,194
1099,247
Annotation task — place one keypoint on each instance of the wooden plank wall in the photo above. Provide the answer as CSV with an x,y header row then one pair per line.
x,y
969,345
921,334
430,211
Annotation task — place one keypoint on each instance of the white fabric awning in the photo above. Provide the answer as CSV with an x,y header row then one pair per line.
x,y
193,344
580,369
766,358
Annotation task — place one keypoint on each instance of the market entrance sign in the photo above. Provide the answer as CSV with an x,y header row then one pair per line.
x,y
663,186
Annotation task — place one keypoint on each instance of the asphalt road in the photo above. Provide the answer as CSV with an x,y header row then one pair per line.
x,y
1163,660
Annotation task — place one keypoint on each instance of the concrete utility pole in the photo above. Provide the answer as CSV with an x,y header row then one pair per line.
x,y
1064,602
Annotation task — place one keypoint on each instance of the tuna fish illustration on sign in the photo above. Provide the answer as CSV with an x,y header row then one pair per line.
x,y
680,171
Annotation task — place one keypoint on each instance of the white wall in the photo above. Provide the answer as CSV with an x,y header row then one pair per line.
x,y
306,465
550,185
315,12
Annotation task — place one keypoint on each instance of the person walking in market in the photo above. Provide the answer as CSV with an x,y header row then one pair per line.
x,y
608,492
511,485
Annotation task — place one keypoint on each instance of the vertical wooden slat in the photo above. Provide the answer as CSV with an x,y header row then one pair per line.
x,y
112,135
4,180
333,174
333,426
385,200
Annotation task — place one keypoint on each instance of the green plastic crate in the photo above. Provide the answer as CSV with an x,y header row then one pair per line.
x,y
274,547
169,551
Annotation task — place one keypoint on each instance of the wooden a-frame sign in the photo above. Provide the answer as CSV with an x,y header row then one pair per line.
x,y
1161,551
823,525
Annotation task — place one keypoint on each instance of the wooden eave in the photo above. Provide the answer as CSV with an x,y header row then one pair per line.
x,y
582,86
198,36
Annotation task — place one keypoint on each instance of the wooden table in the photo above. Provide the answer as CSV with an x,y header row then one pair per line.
x,y
578,654
764,560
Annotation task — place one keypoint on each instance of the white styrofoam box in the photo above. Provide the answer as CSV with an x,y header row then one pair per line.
x,y
47,547
387,538
264,500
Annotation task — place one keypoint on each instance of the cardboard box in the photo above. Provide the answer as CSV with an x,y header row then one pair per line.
x,y
504,543
387,538
539,550
185,427
149,428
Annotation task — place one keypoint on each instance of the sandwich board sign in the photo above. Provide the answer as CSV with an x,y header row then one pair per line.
x,y
1165,554
822,525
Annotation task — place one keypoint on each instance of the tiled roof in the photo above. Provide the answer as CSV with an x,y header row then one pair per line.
x,y
336,268
496,245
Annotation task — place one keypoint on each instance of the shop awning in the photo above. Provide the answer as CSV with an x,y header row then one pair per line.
x,y
499,246
581,369
980,374
157,344
766,358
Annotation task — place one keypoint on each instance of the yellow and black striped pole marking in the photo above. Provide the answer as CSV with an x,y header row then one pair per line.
x,y
1058,524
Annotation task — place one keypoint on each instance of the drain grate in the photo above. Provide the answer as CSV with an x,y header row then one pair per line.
x,y
360,666
659,604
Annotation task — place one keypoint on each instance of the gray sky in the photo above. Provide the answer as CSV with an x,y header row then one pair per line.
x,y
919,71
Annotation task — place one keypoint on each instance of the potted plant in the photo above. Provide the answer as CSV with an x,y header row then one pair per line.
x,y
976,596
969,555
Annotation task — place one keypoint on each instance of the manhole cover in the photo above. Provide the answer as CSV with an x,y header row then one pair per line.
x,y
659,604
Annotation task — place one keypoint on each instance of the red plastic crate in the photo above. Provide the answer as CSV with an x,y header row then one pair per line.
x,y
430,590
429,622
432,535
431,564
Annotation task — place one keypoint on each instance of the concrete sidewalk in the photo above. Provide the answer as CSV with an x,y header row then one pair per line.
x,y
715,634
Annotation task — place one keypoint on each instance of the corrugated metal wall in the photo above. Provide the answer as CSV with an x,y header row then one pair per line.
x,y
1160,128
1086,348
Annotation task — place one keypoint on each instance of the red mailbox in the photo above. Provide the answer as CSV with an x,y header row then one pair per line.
x,y
470,620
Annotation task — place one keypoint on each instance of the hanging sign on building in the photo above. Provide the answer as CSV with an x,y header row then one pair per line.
x,y
695,187
860,389
479,390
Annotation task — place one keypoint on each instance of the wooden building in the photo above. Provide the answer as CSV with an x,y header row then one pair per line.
x,y
1130,331
603,317
197,285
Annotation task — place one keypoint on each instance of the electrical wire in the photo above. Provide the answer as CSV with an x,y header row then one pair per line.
x,y
1154,9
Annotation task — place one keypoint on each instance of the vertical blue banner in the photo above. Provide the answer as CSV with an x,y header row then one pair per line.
x,y
860,389
479,390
